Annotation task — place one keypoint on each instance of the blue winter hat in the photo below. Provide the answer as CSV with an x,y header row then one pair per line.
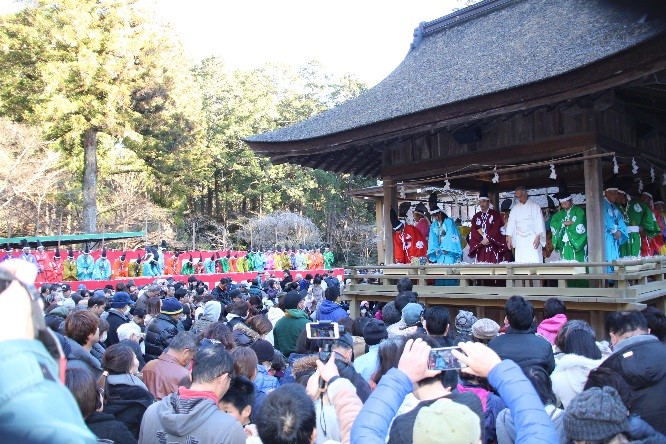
x,y
121,299
171,306
412,314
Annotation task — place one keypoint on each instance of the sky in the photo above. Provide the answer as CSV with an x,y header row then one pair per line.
x,y
367,38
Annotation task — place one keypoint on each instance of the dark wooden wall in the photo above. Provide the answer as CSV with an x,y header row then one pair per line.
x,y
617,123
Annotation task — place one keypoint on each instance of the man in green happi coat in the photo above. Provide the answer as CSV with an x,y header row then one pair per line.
x,y
638,217
569,228
328,258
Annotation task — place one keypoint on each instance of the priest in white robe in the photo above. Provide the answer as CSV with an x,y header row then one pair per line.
x,y
526,229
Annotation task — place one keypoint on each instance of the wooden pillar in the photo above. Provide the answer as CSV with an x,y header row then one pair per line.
x,y
381,243
594,211
390,201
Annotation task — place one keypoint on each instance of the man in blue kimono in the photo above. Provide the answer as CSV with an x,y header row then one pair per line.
x,y
444,245
26,255
102,271
84,266
259,261
160,257
209,265
615,227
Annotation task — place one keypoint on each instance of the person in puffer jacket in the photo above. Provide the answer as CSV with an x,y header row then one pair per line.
x,y
532,422
329,310
163,328
555,316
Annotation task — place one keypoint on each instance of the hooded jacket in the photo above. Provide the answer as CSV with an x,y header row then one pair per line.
x,y
244,336
288,329
36,406
186,420
330,311
127,398
79,357
211,315
548,328
56,317
570,376
273,314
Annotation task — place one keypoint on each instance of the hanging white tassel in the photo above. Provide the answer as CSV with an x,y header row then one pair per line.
x,y
553,174
652,175
640,186
447,184
634,166
402,192
616,168
496,176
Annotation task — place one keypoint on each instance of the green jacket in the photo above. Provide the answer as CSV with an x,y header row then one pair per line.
x,y
288,329
570,241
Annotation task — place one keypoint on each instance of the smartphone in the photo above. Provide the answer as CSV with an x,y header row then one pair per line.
x,y
443,359
322,330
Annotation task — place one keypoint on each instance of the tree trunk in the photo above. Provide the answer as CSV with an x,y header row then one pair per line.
x,y
89,181
217,194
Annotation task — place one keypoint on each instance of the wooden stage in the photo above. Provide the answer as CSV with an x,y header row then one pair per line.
x,y
635,284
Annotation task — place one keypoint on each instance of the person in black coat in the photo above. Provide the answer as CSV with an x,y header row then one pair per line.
x,y
163,328
639,358
118,315
105,426
519,343
126,396
82,385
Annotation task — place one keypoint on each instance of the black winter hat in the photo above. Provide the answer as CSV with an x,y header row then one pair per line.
x,y
595,414
374,332
292,299
391,314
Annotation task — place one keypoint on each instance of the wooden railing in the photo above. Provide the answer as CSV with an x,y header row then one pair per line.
x,y
632,282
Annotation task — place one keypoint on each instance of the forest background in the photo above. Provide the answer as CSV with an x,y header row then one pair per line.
x,y
106,126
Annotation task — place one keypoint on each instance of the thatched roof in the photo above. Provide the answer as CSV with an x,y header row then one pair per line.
x,y
479,52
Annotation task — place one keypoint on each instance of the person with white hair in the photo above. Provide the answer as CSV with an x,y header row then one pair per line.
x,y
130,334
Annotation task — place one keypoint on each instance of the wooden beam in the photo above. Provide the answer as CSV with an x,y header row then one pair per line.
x,y
347,160
372,165
596,248
381,241
545,148
390,201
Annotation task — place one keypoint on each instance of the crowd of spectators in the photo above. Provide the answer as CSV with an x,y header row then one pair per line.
x,y
179,362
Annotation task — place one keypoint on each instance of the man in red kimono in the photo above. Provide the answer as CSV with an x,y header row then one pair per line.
x,y
43,263
486,241
54,272
408,242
